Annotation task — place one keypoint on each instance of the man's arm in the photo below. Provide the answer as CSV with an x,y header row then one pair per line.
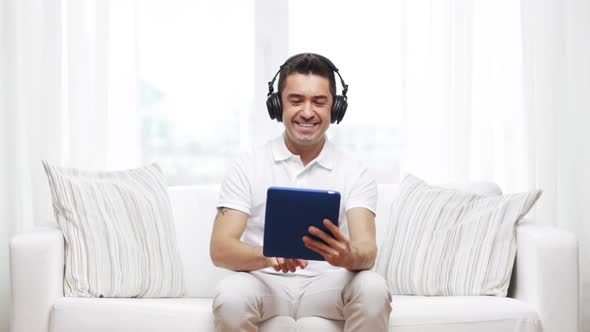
x,y
356,253
361,226
228,251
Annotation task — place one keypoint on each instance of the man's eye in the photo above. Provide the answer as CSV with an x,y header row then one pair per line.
x,y
295,102
321,104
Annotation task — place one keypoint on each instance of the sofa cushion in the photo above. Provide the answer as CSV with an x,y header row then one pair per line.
x,y
71,314
410,313
444,241
119,233
461,314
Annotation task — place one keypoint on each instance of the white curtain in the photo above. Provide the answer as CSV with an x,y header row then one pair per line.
x,y
557,89
30,101
500,91
67,84
463,92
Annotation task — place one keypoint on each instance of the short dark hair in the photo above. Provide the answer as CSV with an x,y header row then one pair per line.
x,y
307,63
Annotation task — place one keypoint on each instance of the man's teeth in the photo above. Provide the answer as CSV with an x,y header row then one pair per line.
x,y
307,124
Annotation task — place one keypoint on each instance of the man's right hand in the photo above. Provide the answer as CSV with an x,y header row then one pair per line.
x,y
286,264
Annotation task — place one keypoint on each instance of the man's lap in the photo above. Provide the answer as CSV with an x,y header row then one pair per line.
x,y
297,296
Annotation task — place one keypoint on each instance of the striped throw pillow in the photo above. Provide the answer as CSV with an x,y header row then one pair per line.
x,y
448,242
119,233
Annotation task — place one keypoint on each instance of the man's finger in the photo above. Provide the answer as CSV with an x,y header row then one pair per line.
x,y
281,263
335,230
291,265
302,263
322,235
284,266
311,243
323,253
275,264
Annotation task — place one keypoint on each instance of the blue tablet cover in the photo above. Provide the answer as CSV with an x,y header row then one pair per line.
x,y
289,213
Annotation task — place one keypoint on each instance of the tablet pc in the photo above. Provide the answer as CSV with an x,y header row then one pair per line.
x,y
289,213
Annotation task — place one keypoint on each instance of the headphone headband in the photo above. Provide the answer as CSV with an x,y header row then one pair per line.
x,y
321,57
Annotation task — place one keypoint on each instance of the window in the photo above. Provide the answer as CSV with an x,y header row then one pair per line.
x,y
202,84
196,71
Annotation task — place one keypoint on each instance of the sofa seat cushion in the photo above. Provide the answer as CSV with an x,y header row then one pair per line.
x,y
410,313
75,314
462,313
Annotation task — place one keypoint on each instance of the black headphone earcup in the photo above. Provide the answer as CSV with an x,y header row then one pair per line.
x,y
273,105
339,108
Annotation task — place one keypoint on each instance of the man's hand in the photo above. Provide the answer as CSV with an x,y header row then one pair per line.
x,y
286,264
337,250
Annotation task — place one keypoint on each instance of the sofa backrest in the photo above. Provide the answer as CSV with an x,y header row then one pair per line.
x,y
193,208
194,212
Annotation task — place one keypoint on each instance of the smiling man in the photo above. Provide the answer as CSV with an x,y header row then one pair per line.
x,y
340,288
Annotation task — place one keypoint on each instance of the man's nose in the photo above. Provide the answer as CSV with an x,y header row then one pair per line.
x,y
307,111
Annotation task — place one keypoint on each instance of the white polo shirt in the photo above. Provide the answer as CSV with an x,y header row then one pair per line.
x,y
247,180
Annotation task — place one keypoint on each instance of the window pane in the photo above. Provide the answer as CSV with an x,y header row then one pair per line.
x,y
196,62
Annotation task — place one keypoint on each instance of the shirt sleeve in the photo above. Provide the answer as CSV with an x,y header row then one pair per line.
x,y
363,193
235,191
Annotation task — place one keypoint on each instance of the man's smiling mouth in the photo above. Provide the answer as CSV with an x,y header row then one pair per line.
x,y
306,125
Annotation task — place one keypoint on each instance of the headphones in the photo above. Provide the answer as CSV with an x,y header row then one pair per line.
x,y
273,100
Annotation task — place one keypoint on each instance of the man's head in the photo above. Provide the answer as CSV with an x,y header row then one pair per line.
x,y
307,89
307,63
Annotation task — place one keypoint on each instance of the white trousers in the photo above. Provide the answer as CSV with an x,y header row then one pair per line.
x,y
245,299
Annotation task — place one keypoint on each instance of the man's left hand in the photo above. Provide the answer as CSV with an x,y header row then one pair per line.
x,y
336,250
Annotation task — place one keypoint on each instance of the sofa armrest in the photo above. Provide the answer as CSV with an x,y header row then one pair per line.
x,y
36,277
546,275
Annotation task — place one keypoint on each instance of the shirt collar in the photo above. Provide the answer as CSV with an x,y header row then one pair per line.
x,y
325,159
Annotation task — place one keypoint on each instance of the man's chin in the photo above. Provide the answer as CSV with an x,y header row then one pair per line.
x,y
308,140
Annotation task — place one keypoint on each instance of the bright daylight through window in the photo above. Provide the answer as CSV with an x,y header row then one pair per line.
x,y
197,77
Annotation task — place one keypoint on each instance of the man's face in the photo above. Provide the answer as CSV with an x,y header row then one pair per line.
x,y
307,105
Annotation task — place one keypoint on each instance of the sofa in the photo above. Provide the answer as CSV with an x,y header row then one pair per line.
x,y
543,294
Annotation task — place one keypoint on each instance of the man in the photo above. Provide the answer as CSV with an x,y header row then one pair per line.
x,y
342,287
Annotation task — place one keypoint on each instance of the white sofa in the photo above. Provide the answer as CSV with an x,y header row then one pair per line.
x,y
543,293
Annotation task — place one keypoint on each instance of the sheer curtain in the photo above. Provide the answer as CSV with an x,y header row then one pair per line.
x,y
463,92
67,87
30,98
557,93
500,91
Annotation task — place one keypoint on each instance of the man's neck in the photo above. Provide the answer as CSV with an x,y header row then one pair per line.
x,y
306,153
